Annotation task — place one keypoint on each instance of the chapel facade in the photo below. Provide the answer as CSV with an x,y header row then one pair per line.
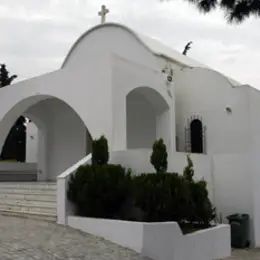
x,y
134,90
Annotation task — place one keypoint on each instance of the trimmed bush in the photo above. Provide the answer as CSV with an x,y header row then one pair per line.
x,y
202,211
159,156
100,153
99,190
161,197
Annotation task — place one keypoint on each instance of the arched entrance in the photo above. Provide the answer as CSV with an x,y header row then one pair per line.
x,y
147,118
63,138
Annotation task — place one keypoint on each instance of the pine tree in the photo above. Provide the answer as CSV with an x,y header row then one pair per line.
x,y
235,11
159,156
100,153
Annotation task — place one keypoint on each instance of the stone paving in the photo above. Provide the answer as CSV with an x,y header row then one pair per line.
x,y
24,239
252,254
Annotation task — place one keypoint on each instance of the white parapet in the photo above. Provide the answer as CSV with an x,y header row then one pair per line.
x,y
64,207
160,240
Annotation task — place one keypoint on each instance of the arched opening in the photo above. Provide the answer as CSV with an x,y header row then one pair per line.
x,y
56,138
147,118
196,136
14,148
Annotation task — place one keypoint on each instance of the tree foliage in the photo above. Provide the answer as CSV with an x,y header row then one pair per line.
x,y
15,143
235,10
5,79
202,211
100,153
159,156
188,171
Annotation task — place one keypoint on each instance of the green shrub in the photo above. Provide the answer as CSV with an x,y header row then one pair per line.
x,y
159,156
188,172
202,211
161,197
99,190
100,153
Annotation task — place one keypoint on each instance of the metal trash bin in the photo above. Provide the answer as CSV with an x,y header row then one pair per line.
x,y
239,224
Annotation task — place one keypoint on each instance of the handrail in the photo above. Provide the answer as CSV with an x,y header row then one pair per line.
x,y
75,166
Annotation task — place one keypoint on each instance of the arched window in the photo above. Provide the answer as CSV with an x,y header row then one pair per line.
x,y
196,136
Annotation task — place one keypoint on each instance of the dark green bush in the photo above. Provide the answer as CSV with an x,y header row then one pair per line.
x,y
201,208
99,190
100,153
203,211
188,171
161,197
159,156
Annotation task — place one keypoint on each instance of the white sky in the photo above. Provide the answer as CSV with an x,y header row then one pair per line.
x,y
37,34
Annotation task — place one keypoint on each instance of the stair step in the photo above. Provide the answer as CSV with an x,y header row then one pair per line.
x,y
25,191
28,197
26,208
30,215
30,203
30,186
35,200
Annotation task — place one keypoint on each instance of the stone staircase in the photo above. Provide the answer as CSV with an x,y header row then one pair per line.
x,y
36,200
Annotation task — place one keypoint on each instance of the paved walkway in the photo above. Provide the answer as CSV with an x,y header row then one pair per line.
x,y
252,254
23,239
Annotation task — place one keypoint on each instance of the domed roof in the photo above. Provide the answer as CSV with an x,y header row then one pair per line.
x,y
154,46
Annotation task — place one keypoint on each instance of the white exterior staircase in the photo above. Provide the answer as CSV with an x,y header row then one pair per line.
x,y
35,200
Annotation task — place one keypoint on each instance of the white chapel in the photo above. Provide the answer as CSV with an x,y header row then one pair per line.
x,y
134,90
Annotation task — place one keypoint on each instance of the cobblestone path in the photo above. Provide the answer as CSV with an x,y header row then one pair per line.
x,y
24,239
252,254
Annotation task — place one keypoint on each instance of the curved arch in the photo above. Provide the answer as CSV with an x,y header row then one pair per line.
x,y
57,138
134,34
156,98
147,118
20,107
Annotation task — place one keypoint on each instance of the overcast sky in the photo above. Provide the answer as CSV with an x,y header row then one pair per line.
x,y
35,35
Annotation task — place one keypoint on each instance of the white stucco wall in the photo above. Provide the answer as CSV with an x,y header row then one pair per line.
x,y
160,241
31,143
64,137
113,38
130,77
232,186
253,96
207,93
103,67
92,108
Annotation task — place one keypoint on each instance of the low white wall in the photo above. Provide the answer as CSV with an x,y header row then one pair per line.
x,y
208,244
139,161
125,233
159,241
64,206
164,241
